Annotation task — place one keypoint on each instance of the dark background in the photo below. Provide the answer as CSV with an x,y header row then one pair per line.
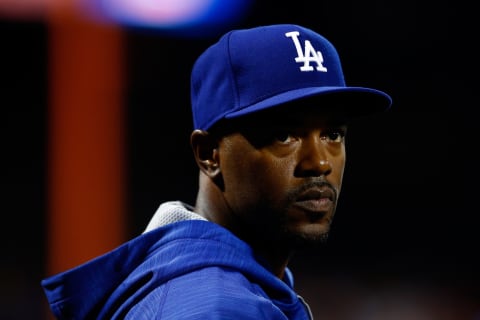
x,y
404,243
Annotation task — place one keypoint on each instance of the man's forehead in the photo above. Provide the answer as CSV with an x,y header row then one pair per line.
x,y
293,114
298,114
285,120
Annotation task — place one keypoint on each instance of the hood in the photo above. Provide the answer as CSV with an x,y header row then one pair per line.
x,y
167,252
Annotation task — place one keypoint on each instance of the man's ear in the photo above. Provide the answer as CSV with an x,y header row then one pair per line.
x,y
205,151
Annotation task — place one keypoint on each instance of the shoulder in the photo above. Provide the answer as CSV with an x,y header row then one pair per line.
x,y
209,293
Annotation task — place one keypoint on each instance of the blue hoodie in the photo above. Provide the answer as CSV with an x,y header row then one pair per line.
x,y
178,269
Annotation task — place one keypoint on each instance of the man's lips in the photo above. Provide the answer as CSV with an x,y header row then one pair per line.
x,y
316,200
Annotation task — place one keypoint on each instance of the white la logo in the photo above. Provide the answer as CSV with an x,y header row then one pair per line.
x,y
310,55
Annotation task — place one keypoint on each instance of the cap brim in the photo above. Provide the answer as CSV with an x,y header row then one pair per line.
x,y
351,101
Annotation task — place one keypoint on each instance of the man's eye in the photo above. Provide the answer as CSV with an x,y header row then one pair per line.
x,y
335,136
282,137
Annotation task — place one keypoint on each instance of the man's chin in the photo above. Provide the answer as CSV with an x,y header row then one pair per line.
x,y
308,239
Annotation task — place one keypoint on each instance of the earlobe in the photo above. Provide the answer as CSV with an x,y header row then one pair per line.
x,y
205,150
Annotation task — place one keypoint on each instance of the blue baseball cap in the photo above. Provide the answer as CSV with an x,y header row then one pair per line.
x,y
258,68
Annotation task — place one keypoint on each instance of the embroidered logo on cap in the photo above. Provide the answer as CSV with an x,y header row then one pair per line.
x,y
308,55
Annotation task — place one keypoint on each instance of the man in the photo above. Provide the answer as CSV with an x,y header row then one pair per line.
x,y
270,111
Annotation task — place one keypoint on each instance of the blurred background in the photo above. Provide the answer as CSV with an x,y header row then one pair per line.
x,y
95,128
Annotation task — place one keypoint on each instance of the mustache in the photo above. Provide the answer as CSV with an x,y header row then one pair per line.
x,y
311,184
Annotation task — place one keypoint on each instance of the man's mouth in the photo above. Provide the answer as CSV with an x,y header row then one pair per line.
x,y
317,201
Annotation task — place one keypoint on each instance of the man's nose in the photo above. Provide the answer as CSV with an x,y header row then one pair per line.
x,y
313,159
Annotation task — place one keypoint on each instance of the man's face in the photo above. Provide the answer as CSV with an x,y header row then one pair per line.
x,y
282,173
